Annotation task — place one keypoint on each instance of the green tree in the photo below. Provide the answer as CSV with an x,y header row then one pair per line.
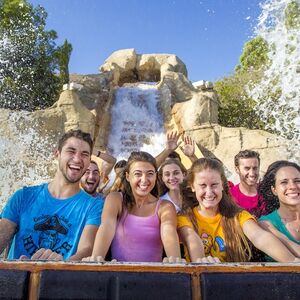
x,y
255,55
63,54
28,57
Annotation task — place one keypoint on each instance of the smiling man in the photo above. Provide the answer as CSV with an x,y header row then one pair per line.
x,y
56,220
247,163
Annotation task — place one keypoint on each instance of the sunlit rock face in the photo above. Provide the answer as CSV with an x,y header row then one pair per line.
x,y
120,110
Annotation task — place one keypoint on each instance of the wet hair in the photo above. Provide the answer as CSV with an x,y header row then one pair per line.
x,y
162,187
246,154
76,133
120,164
237,246
136,156
174,155
268,181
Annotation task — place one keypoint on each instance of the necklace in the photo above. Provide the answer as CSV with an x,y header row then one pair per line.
x,y
290,225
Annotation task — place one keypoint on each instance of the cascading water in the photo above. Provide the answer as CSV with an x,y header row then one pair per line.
x,y
136,121
278,92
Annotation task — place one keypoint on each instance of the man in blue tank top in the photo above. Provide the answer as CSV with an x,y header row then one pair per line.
x,y
56,220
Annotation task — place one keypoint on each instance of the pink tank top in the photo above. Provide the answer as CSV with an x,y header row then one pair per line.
x,y
137,239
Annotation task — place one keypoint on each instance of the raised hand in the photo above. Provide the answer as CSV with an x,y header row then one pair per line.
x,y
189,146
172,140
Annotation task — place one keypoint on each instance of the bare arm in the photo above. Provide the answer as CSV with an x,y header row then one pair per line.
x,y
193,242
86,242
105,234
108,159
267,242
7,231
171,145
188,148
292,246
169,236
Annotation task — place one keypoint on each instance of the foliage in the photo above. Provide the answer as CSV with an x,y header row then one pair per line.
x,y
29,57
63,56
236,108
255,55
292,15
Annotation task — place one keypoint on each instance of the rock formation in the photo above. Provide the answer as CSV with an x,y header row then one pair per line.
x,y
190,109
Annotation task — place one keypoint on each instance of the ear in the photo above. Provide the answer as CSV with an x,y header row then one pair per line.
x,y
127,176
237,170
273,190
192,187
56,154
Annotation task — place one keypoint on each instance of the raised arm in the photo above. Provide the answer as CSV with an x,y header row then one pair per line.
x,y
105,234
169,236
188,148
7,231
267,242
108,159
192,242
171,145
292,246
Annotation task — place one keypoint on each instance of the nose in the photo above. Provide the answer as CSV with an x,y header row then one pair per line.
x,y
292,185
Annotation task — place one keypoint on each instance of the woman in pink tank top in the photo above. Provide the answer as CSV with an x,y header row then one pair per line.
x,y
135,223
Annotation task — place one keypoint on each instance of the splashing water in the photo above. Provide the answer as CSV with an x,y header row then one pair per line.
x,y
278,93
136,122
25,154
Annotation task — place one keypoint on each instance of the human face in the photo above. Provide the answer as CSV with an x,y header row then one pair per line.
x,y
142,178
287,186
73,159
248,171
172,176
208,188
91,179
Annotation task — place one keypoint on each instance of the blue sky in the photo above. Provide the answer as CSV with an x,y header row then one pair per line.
x,y
207,35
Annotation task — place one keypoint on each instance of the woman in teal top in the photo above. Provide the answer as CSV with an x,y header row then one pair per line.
x,y
281,187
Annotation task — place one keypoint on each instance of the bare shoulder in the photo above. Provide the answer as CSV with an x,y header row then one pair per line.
x,y
113,201
166,207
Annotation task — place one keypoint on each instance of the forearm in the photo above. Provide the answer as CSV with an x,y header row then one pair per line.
x,y
7,230
161,157
273,247
170,242
103,240
195,248
80,254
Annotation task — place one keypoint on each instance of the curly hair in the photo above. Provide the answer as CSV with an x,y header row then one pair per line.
x,y
268,181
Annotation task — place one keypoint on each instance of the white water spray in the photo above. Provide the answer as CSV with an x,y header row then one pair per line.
x,y
282,78
25,154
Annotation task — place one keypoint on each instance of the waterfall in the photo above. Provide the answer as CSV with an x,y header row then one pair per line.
x,y
281,79
136,121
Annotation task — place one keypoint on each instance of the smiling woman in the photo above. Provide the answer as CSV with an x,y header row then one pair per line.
x,y
135,223
281,185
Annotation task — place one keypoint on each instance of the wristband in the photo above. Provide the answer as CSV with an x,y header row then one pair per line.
x,y
98,154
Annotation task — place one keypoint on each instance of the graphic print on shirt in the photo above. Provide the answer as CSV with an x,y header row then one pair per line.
x,y
211,245
51,230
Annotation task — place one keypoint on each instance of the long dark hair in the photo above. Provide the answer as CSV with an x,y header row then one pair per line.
x,y
268,181
236,241
136,156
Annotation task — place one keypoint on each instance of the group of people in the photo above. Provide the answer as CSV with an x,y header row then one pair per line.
x,y
156,210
